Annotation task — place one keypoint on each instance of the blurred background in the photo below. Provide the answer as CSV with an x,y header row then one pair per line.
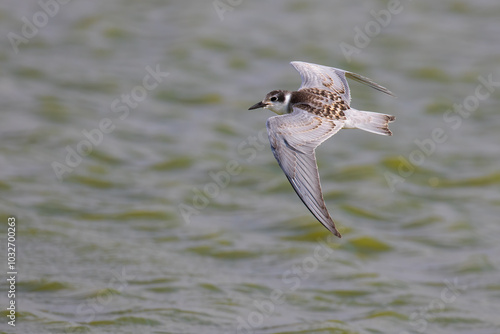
x,y
148,200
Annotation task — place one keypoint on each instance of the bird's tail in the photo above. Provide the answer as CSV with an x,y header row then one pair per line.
x,y
369,121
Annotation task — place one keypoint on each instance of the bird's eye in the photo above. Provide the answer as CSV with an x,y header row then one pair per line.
x,y
274,99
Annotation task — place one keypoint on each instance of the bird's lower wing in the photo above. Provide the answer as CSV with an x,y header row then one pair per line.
x,y
293,138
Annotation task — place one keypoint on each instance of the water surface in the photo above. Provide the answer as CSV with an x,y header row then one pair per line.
x,y
173,216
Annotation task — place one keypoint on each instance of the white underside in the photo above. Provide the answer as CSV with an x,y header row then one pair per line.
x,y
366,120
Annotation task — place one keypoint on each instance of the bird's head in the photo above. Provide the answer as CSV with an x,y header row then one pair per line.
x,y
276,101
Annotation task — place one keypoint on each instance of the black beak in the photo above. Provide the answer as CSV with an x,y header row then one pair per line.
x,y
258,105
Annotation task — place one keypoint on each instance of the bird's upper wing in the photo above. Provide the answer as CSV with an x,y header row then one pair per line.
x,y
293,138
332,78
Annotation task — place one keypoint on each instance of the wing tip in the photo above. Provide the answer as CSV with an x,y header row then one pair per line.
x,y
335,231
369,82
330,226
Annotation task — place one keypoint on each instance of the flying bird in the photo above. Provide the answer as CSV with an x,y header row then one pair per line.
x,y
308,117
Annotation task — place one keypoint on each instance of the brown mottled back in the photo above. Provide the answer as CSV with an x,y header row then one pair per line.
x,y
320,102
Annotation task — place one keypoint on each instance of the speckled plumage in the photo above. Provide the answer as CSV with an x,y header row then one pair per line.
x,y
321,102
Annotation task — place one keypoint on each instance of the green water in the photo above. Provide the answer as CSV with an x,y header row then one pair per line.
x,y
147,199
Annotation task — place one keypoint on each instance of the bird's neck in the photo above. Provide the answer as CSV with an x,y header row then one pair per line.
x,y
296,98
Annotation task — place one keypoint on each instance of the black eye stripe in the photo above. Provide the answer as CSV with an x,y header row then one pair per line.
x,y
276,96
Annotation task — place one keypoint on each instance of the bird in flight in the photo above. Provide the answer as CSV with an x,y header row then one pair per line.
x,y
308,117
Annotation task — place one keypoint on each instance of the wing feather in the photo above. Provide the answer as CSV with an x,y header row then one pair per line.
x,y
333,79
294,138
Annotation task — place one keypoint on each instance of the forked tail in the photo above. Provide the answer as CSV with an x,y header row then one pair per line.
x,y
369,121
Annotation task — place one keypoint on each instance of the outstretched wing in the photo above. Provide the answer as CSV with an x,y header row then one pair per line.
x,y
293,138
333,79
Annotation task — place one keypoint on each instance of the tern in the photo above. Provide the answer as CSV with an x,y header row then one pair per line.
x,y
308,117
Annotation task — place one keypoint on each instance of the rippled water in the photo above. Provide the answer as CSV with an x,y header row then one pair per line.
x,y
148,201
